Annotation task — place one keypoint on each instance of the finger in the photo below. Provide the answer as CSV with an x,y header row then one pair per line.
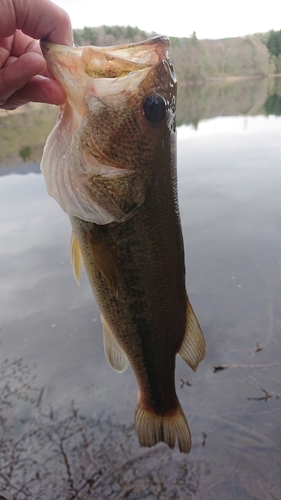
x,y
38,19
22,44
17,74
38,89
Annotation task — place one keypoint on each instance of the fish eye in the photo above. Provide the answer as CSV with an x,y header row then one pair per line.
x,y
154,107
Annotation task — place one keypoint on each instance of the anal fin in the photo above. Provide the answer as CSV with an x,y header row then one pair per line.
x,y
113,352
75,258
193,346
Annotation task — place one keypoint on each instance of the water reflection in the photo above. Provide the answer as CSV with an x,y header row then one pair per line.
x,y
243,97
229,187
64,454
21,169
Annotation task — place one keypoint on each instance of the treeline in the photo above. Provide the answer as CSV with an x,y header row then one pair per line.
x,y
201,60
273,43
109,35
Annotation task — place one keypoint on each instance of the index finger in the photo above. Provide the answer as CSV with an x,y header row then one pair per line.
x,y
38,19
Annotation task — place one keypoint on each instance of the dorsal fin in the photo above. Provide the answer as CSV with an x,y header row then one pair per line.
x,y
193,346
75,258
113,352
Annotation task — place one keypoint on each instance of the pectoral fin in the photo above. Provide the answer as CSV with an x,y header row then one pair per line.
x,y
113,352
193,347
75,258
103,258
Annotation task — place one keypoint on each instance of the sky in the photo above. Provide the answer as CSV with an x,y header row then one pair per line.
x,y
208,18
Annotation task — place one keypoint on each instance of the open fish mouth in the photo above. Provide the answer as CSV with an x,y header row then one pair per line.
x,y
88,167
103,71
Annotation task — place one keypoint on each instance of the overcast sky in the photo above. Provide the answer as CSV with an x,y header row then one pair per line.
x,y
208,18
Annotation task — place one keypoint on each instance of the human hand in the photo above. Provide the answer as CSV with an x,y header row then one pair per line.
x,y
24,76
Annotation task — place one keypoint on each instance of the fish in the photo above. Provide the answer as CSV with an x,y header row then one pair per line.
x,y
110,162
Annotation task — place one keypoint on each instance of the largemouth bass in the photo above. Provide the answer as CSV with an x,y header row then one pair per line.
x,y
110,162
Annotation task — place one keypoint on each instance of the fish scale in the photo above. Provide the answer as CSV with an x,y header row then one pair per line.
x,y
111,164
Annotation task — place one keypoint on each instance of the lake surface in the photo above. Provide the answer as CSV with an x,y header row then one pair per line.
x,y
66,418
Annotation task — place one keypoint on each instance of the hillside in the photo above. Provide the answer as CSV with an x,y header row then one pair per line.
x,y
201,60
197,60
23,132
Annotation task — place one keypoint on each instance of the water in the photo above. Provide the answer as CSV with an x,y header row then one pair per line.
x,y
69,416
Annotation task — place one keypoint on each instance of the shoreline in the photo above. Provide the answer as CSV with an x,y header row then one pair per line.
x,y
226,79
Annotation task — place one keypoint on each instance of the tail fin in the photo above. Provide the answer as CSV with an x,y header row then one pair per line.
x,y
152,428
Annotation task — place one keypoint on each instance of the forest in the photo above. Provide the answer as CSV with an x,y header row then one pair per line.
x,y
202,60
